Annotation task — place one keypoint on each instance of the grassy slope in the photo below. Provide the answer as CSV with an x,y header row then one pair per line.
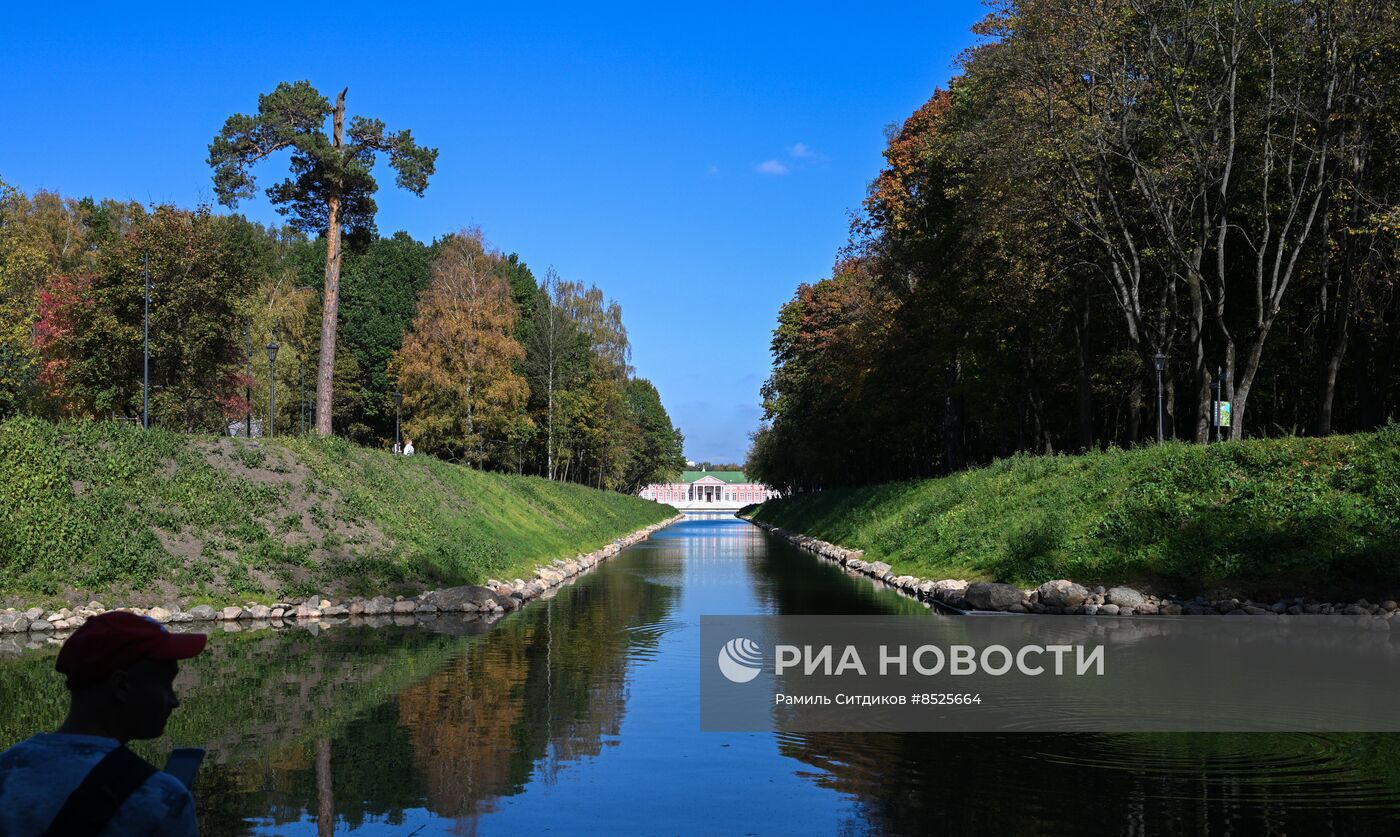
x,y
104,509
1273,515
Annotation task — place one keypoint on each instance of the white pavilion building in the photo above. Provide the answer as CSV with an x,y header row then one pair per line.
x,y
709,491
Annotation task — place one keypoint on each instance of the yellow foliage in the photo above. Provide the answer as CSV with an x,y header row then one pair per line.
x,y
456,367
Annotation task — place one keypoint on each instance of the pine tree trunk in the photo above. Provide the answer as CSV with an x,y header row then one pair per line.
x,y
325,794
330,306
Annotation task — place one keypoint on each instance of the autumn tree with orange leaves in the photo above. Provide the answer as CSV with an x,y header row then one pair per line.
x,y
1105,186
457,366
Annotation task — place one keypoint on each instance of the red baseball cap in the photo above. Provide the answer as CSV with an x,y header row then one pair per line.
x,y
114,640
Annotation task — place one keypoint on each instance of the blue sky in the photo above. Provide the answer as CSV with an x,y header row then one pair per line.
x,y
696,162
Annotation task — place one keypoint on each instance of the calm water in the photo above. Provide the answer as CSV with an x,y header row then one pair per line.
x,y
580,714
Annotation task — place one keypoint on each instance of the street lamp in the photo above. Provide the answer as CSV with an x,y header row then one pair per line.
x,y
146,346
248,384
272,386
398,405
1160,361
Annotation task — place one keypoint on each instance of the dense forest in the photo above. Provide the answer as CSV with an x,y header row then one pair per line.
x,y
1106,185
498,368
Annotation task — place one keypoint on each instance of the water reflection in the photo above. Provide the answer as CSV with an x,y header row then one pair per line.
x,y
579,714
1242,783
545,691
369,727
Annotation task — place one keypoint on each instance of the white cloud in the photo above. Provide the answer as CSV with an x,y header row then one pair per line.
x,y
799,157
712,171
803,151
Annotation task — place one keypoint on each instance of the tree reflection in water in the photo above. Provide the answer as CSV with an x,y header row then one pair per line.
x,y
1159,783
546,689
464,725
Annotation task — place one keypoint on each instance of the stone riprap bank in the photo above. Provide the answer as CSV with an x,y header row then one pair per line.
x,y
1063,596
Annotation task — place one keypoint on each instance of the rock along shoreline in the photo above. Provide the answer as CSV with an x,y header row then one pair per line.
x,y
1065,597
495,597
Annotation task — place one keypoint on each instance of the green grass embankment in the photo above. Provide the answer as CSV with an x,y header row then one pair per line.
x,y
106,510
1269,516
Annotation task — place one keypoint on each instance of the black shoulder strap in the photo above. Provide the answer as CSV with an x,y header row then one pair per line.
x,y
101,794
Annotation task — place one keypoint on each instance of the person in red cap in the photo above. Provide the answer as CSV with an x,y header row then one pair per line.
x,y
82,779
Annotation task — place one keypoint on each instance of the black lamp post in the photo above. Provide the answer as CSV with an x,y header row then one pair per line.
x,y
272,386
248,385
146,346
398,406
1160,361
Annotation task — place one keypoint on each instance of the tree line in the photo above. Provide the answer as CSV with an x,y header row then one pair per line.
x,y
1105,182
495,369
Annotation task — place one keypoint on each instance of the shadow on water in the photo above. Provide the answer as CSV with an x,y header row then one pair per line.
x,y
1152,783
580,713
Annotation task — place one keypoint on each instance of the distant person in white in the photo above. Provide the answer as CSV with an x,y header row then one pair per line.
x,y
408,447
82,779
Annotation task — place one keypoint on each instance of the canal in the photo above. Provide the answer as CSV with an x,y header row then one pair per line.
x,y
580,714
